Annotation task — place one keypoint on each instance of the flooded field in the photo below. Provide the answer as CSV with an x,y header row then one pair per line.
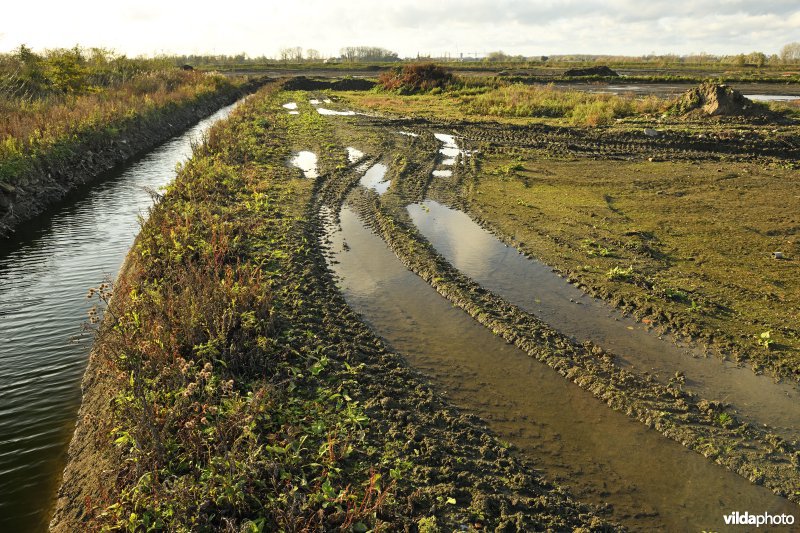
x,y
537,289
602,455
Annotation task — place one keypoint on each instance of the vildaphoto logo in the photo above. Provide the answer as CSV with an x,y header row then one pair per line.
x,y
746,519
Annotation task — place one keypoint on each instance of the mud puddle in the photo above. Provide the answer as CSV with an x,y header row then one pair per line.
x,y
449,150
535,288
652,483
290,105
772,97
374,178
307,162
353,154
326,111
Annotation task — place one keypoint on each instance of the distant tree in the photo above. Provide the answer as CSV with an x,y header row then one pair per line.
x,y
313,55
499,55
294,53
367,53
790,52
758,59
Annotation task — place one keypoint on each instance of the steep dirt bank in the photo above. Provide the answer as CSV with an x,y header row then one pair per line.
x,y
57,173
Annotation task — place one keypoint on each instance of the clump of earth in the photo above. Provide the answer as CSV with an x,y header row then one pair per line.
x,y
591,71
714,99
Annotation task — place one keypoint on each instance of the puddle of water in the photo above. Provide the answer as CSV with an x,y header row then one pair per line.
x,y
373,179
442,173
353,155
294,112
328,101
307,162
324,111
772,97
535,288
290,105
314,101
652,482
450,149
408,133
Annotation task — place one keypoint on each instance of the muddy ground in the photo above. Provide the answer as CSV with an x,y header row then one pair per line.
x,y
754,452
449,471
461,475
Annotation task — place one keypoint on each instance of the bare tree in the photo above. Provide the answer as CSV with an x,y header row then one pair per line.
x,y
367,53
294,53
313,55
790,52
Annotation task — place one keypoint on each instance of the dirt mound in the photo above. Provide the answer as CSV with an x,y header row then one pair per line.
x,y
591,71
713,99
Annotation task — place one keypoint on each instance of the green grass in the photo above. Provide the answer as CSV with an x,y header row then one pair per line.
x,y
686,244
228,413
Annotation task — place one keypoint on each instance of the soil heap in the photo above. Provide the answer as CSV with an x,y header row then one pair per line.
x,y
713,99
591,71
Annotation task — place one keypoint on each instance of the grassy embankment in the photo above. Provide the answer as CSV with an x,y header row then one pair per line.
x,y
682,244
69,114
249,397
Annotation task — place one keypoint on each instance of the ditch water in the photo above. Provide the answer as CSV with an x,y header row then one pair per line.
x,y
535,288
45,272
652,483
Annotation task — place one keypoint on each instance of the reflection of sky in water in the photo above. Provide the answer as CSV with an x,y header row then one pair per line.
x,y
307,162
373,179
379,271
772,97
290,105
566,428
324,111
537,289
442,173
354,155
314,101
465,244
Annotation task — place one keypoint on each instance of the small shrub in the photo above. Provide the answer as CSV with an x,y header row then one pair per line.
x,y
416,78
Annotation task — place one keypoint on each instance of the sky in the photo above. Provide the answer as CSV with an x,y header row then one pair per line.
x,y
408,27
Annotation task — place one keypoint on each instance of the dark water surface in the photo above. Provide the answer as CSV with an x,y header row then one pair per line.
x,y
653,483
45,272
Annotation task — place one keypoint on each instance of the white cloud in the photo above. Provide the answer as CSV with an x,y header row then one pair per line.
x,y
411,26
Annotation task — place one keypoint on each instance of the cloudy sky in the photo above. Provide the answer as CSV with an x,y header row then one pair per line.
x,y
533,27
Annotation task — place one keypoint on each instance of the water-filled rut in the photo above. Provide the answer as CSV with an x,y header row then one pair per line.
x,y
45,271
604,456
535,288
